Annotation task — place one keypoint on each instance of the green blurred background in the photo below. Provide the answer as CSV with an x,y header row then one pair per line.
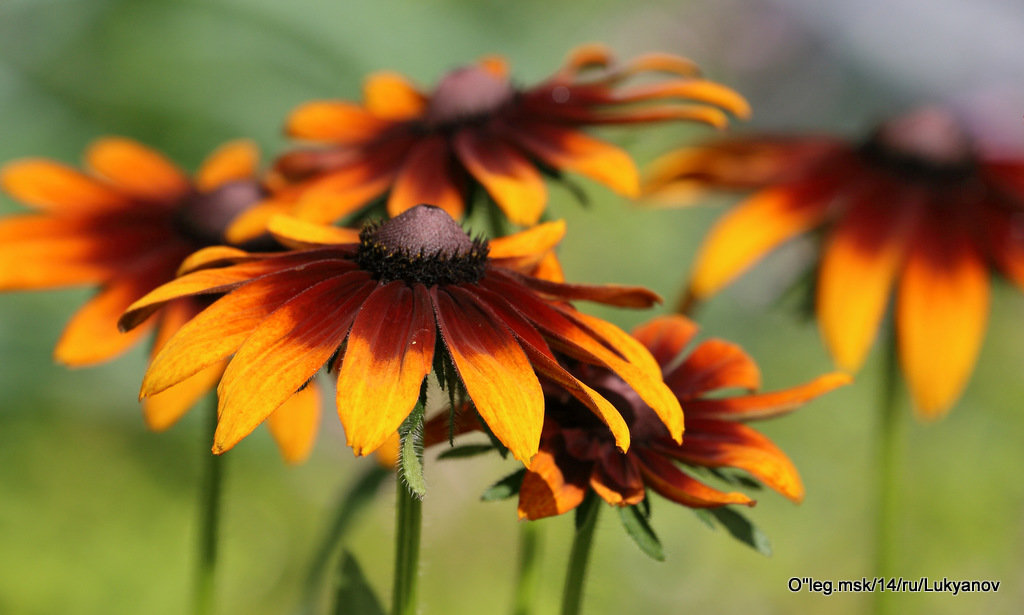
x,y
97,515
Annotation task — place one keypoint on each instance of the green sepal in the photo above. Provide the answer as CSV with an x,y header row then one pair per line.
x,y
354,595
466,450
741,528
635,520
410,450
505,488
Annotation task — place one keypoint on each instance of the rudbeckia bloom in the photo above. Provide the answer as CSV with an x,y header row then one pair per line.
x,y
917,205
475,128
577,455
126,224
381,306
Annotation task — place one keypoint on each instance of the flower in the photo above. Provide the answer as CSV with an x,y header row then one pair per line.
x,y
382,307
475,127
576,455
917,205
126,224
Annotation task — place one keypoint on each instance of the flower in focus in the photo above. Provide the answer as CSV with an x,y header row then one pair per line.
x,y
576,455
382,307
476,128
917,205
126,225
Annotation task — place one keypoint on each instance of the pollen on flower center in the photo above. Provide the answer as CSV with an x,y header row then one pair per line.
x,y
424,245
928,142
466,94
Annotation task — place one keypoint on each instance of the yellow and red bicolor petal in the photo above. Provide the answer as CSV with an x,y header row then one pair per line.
x,y
297,234
390,96
718,444
861,259
550,489
51,185
495,370
566,148
137,170
294,425
665,337
282,355
219,330
427,176
252,222
92,334
714,364
581,342
509,177
389,352
941,312
765,405
233,161
693,89
608,294
213,256
334,121
754,227
545,364
163,410
668,480
549,268
1004,237
617,479
222,280
39,251
584,57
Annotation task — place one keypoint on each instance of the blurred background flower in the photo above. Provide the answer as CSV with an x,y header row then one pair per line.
x,y
105,525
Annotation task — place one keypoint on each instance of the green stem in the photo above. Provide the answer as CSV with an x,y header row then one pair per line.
x,y
528,579
353,500
579,557
408,523
890,438
209,520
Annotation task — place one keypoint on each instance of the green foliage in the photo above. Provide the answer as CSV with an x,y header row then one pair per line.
x,y
410,452
505,488
637,523
354,595
466,450
738,526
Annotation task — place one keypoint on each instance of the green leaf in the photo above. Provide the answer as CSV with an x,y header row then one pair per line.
x,y
635,522
505,488
354,595
742,529
466,450
410,452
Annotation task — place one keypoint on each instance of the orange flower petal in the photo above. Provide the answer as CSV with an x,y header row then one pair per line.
x,y
137,170
334,121
754,227
48,184
546,491
233,161
219,280
295,423
529,243
608,294
583,57
714,364
497,375
658,62
390,96
665,337
508,176
694,89
92,335
298,234
673,484
426,177
252,222
163,409
616,478
941,313
565,148
214,256
766,405
549,268
389,352
343,191
281,355
860,262
719,444
219,330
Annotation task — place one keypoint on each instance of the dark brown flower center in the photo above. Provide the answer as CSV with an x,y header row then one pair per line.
x,y
467,94
423,245
203,217
927,143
